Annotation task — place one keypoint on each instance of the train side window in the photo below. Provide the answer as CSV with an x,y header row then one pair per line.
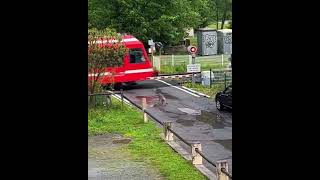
x,y
136,56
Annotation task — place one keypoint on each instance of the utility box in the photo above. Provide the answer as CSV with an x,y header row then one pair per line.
x,y
207,41
225,41
205,77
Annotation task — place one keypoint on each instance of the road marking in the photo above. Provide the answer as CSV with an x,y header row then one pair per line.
x,y
178,88
196,92
124,99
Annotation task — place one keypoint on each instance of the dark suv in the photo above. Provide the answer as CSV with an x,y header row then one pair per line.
x,y
224,99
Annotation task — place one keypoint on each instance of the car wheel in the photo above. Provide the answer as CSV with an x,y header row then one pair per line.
x,y
219,106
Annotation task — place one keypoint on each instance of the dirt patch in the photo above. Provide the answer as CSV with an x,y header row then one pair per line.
x,y
109,158
121,141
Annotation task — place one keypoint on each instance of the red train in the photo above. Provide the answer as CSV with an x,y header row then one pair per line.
x,y
136,64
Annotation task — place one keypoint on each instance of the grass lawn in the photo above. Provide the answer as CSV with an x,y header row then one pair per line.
x,y
146,141
168,69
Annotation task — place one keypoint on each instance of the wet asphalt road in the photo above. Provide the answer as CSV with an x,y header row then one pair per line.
x,y
195,119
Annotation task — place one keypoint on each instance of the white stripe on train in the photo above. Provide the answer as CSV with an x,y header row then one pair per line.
x,y
127,72
138,71
113,41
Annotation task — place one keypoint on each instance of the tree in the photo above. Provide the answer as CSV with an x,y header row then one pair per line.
x,y
160,20
227,9
222,10
204,10
103,55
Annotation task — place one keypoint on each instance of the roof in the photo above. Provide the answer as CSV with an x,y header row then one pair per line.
x,y
225,30
206,29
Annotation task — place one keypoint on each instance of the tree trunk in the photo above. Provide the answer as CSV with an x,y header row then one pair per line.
x,y
224,14
217,13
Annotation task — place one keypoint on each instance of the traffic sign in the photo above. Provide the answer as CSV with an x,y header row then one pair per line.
x,y
192,49
150,42
193,68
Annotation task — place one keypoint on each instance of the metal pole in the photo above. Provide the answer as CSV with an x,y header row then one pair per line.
x,y
193,62
210,78
225,80
151,52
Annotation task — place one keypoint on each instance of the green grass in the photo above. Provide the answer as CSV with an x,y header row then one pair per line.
x,y
215,88
168,69
146,141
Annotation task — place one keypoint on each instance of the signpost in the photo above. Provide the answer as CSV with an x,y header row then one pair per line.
x,y
193,67
152,48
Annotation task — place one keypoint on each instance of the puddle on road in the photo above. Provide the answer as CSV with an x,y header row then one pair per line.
x,y
185,122
225,143
215,120
149,99
190,111
109,158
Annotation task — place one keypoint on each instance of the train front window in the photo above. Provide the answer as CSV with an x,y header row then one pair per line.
x,y
136,56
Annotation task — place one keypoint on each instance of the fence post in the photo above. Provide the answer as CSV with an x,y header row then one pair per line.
x,y
168,135
222,60
196,157
108,100
172,60
220,174
159,64
144,106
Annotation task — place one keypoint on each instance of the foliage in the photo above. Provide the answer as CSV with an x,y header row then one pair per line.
x,y
102,55
160,20
223,11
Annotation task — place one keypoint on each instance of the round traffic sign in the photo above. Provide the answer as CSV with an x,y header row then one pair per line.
x,y
192,49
